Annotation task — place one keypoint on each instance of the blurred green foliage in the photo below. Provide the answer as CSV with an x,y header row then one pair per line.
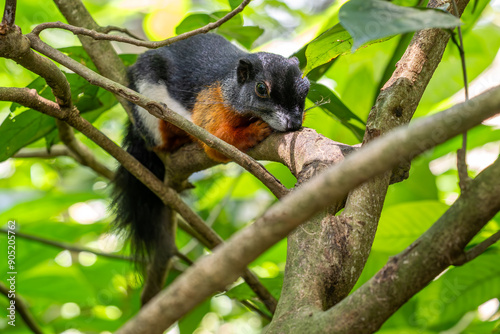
x,y
60,200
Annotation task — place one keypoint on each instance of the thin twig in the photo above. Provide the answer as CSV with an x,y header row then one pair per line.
x,y
108,29
67,246
184,258
55,151
477,250
9,16
22,308
81,152
463,175
138,42
254,308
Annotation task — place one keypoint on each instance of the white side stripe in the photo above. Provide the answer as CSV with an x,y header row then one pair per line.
x,y
157,92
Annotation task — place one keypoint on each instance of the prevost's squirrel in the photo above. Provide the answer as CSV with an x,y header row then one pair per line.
x,y
237,96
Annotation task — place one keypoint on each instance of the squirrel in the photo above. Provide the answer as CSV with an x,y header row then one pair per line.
x,y
237,96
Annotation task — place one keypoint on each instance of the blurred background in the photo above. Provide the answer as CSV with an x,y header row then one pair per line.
x,y
59,200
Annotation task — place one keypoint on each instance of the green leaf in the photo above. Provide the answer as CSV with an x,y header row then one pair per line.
x,y
192,22
191,321
320,93
246,35
481,45
460,290
242,291
402,224
235,30
282,173
24,129
31,125
79,54
44,208
476,137
420,186
316,73
51,281
234,3
371,20
334,42
232,29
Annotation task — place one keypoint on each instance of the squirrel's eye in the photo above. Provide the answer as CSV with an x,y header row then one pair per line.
x,y
261,90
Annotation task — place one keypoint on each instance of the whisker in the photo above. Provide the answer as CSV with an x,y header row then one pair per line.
x,y
318,104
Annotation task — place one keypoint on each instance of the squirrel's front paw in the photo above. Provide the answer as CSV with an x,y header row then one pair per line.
x,y
262,131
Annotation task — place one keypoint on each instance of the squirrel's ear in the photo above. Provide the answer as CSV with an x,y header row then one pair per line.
x,y
294,60
244,69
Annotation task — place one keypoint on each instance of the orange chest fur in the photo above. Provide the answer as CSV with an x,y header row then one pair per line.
x,y
216,116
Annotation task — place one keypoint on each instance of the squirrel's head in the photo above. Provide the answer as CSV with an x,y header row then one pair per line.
x,y
271,88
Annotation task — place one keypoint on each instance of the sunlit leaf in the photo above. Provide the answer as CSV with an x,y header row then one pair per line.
x,y
402,224
334,42
328,101
243,291
372,20
459,290
23,130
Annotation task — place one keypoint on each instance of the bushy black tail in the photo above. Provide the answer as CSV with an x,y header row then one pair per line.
x,y
139,212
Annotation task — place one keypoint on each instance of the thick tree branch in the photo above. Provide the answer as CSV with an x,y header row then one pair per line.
x,y
160,111
30,98
301,151
366,309
23,310
214,272
96,34
81,152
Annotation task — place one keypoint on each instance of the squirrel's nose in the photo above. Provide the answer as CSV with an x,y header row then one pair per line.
x,y
294,124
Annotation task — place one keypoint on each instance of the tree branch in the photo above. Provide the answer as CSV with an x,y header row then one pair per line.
x,y
463,175
95,34
229,260
475,251
81,152
108,29
23,310
16,46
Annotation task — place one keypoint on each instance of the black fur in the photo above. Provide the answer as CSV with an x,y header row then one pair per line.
x,y
190,65
137,208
